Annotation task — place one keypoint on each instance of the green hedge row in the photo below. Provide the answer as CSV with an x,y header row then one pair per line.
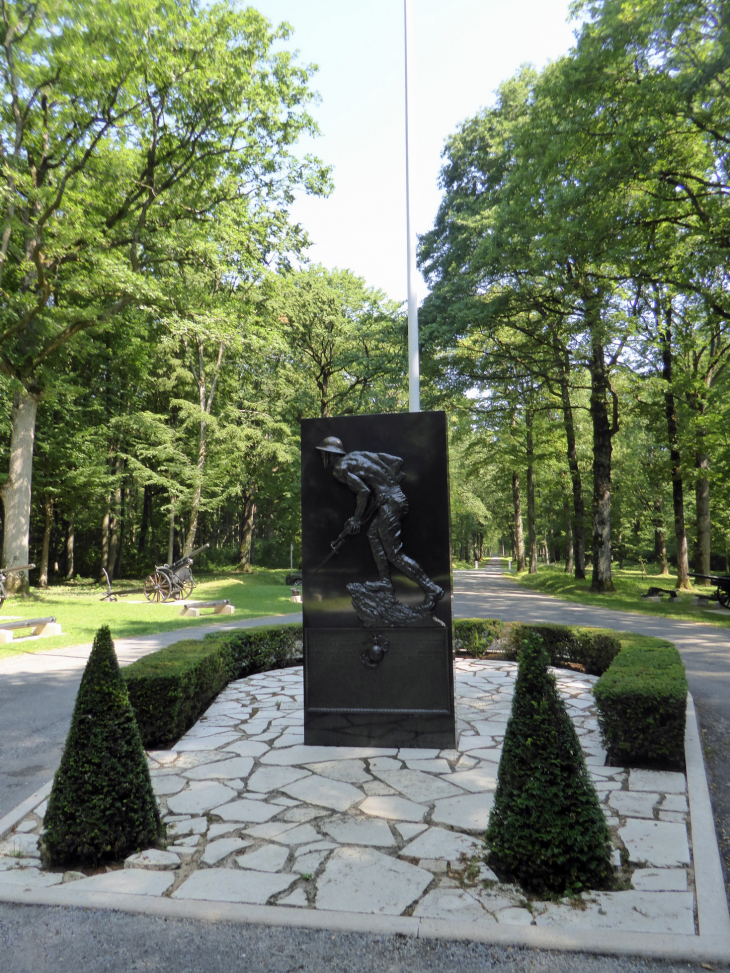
x,y
476,635
641,702
591,648
171,688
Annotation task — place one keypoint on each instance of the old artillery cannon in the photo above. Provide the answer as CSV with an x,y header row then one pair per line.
x,y
722,584
172,580
4,572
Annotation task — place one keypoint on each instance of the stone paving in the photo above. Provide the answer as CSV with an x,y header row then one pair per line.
x,y
256,817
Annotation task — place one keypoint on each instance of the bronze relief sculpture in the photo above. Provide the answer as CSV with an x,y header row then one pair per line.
x,y
381,504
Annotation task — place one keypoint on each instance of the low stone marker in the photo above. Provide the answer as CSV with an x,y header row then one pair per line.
x,y
41,627
192,608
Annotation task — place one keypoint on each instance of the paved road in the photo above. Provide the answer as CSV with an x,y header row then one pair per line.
x,y
37,694
488,593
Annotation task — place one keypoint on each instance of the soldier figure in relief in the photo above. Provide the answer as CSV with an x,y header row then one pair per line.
x,y
376,478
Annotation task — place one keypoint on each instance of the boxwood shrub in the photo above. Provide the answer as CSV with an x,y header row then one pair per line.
x,y
476,635
102,805
170,689
641,702
546,828
595,650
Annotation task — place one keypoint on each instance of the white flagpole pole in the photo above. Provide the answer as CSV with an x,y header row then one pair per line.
x,y
414,394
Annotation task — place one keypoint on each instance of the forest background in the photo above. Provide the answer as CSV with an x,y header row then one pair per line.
x,y
162,336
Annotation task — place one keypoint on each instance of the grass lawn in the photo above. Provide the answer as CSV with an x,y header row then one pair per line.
x,y
80,610
551,579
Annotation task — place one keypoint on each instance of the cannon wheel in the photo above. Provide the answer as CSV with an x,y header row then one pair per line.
x,y
187,588
723,596
2,594
157,587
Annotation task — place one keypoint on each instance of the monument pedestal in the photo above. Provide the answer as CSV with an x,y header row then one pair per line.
x,y
378,655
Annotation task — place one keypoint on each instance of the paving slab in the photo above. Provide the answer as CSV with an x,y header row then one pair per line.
x,y
233,885
315,835
655,842
364,880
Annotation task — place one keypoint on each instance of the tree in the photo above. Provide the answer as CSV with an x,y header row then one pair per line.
x,y
122,122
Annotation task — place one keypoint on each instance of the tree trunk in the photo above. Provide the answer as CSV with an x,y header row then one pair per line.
x,y
602,451
568,536
704,523
660,538
46,545
579,507
16,491
146,518
70,539
171,535
114,520
670,411
104,565
248,513
518,539
531,536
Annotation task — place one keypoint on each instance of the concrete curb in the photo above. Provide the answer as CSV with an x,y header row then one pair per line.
x,y
15,816
711,945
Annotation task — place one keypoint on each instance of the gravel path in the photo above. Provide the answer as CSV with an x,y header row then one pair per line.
x,y
38,939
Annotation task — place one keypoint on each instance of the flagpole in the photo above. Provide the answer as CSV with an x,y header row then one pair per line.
x,y
414,394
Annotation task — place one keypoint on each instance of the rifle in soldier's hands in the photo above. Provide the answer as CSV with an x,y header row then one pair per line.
x,y
336,544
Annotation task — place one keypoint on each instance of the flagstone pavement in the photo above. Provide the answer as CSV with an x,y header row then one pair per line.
x,y
256,817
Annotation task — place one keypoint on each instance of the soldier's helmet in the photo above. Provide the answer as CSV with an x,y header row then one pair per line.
x,y
331,444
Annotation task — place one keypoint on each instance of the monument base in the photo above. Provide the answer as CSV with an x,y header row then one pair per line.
x,y
388,688
417,730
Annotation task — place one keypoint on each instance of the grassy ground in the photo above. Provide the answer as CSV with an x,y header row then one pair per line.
x,y
630,585
79,609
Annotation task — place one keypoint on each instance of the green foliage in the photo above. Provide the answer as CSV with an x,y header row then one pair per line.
x,y
170,689
642,701
592,649
546,829
102,805
476,635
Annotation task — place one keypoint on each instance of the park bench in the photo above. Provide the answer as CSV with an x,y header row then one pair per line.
x,y
191,609
40,626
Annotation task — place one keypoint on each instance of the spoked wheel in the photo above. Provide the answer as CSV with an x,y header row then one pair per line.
x,y
722,596
2,594
157,587
187,588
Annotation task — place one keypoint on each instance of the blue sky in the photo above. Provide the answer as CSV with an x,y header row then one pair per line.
x,y
463,50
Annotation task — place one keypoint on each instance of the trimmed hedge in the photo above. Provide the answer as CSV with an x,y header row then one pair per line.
x,y
171,688
591,648
641,702
102,805
475,635
546,828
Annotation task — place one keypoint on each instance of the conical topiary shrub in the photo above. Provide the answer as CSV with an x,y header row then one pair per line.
x,y
102,805
546,828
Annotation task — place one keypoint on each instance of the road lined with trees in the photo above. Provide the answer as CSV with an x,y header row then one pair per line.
x,y
162,336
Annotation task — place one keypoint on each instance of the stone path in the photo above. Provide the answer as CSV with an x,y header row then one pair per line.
x,y
256,817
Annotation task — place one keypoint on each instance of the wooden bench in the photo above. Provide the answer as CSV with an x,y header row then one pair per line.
x,y
191,609
40,626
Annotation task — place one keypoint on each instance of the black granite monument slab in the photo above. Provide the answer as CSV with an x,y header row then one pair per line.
x,y
376,565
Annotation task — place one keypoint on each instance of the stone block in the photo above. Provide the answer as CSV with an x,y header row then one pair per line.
x,y
6,635
224,610
186,612
49,628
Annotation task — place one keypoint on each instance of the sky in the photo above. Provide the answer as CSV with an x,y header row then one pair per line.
x,y
463,50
